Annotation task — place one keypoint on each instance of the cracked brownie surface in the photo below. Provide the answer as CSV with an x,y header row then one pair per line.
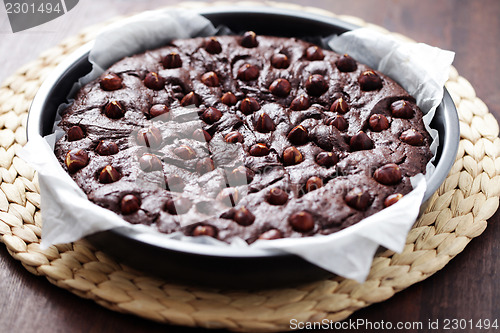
x,y
243,136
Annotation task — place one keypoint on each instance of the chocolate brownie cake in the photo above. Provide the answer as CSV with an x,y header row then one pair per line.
x,y
247,136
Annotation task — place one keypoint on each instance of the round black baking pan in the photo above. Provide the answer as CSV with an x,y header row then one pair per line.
x,y
205,265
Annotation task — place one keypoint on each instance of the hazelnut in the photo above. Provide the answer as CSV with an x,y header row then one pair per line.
x,y
301,221
313,183
300,103
277,197
346,64
412,137
249,105
233,137
178,206
298,135
154,81
259,149
392,199
204,230
271,234
339,106
327,159
211,115
240,176
264,123
185,152
229,196
157,110
190,99
369,80
280,87
378,122
292,156
129,204
210,79
389,174
249,40
150,137
106,148
316,85
150,162
171,60
178,91
201,135
76,159
229,99
114,110
314,53
360,141
213,46
75,133
110,82
248,72
205,165
358,199
228,214
280,60
243,217
401,109
109,175
174,183
339,122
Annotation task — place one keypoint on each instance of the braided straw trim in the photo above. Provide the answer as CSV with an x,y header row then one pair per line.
x,y
456,214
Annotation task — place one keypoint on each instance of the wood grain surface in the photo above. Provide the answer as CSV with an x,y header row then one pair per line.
x,y
467,288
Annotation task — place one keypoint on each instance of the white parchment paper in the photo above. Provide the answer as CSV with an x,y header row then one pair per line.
x,y
422,70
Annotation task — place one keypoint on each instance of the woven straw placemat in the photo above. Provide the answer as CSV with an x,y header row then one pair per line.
x,y
457,213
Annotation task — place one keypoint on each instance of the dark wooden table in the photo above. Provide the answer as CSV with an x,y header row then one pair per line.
x,y
467,288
